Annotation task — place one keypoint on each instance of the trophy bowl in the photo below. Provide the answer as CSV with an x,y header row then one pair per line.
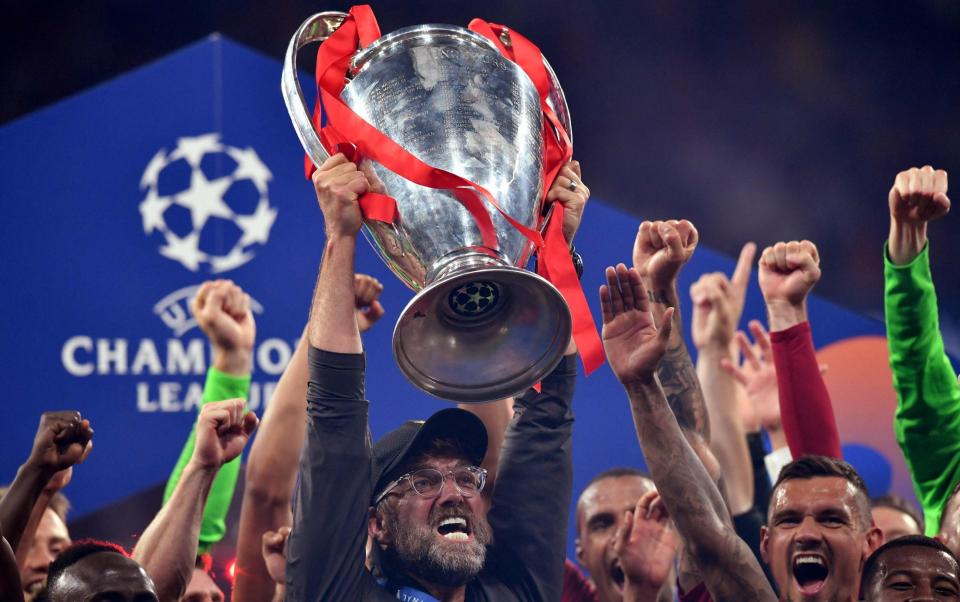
x,y
480,327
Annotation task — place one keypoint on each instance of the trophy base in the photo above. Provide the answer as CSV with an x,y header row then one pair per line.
x,y
482,335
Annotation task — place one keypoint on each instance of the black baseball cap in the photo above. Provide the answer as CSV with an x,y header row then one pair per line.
x,y
394,448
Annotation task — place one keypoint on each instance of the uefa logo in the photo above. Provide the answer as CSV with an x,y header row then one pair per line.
x,y
208,201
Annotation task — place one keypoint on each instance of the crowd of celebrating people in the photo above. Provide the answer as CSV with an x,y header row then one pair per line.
x,y
471,504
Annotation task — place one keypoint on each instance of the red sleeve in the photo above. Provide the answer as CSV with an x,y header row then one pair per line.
x,y
805,408
576,587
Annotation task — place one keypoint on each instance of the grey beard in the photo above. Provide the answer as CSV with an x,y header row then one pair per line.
x,y
418,552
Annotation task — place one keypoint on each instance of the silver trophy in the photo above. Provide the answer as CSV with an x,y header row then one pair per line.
x,y
481,327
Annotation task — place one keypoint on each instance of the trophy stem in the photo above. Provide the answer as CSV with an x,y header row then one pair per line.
x,y
481,331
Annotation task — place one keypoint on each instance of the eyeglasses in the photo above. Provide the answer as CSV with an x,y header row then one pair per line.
x,y
428,482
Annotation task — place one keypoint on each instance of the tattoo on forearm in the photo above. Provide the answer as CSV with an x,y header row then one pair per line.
x,y
725,563
678,377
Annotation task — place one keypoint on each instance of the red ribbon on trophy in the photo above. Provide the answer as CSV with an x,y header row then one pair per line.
x,y
359,30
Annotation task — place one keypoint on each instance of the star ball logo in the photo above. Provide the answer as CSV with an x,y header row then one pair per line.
x,y
209,202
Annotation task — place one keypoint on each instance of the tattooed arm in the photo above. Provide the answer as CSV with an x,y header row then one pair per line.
x,y
634,348
660,250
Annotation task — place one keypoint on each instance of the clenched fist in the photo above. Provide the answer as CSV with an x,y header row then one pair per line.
x,y
339,184
367,290
273,547
662,248
788,272
223,429
222,310
918,196
62,440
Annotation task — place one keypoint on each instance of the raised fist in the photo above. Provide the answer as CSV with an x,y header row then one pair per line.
x,y
662,248
223,429
367,290
223,312
918,196
339,184
273,549
788,272
569,190
63,439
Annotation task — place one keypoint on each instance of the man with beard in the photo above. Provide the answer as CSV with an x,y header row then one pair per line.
x,y
624,538
911,567
418,493
819,530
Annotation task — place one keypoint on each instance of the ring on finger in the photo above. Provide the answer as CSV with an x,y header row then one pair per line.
x,y
572,186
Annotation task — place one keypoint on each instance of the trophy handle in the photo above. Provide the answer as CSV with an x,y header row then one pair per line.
x,y
316,28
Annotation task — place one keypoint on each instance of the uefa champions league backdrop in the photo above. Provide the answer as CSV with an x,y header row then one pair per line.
x,y
120,201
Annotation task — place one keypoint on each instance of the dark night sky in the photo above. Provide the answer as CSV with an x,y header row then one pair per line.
x,y
756,120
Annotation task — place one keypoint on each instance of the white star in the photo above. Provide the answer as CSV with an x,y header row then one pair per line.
x,y
152,172
151,210
185,250
236,258
256,227
205,198
250,166
193,149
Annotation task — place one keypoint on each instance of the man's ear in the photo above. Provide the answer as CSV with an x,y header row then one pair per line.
x,y
376,529
579,549
874,538
765,544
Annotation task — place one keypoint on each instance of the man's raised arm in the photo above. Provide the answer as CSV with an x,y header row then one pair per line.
x,y
788,272
325,549
168,547
927,422
661,249
222,310
272,464
634,348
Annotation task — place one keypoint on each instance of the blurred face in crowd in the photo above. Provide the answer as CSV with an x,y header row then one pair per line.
x,y
913,573
894,523
440,540
202,588
101,577
51,538
817,537
599,513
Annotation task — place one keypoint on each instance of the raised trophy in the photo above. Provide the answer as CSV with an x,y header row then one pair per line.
x,y
480,327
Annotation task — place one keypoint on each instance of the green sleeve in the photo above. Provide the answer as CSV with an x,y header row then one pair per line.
x,y
927,422
217,387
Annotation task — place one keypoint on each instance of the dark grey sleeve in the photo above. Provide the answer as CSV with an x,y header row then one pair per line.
x,y
325,552
532,493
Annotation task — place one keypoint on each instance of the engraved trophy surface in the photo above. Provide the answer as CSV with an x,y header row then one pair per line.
x,y
481,327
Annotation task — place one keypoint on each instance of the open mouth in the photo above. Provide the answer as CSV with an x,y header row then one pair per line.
x,y
454,528
811,572
617,574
